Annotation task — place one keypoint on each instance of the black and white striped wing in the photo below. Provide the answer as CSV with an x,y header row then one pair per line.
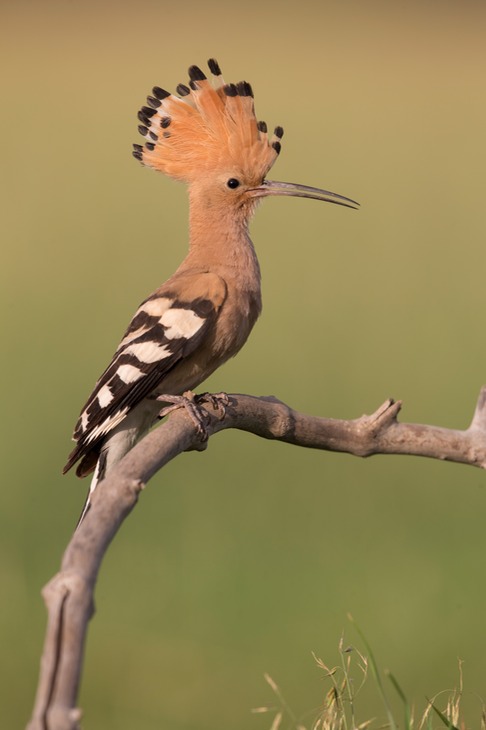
x,y
163,332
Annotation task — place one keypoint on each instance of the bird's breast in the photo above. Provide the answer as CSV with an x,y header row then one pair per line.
x,y
236,319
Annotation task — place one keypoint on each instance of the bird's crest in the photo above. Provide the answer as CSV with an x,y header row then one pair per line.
x,y
205,128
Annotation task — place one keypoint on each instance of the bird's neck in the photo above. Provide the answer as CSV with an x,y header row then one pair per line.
x,y
220,242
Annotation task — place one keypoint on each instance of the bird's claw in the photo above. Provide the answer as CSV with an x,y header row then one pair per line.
x,y
219,401
192,404
187,401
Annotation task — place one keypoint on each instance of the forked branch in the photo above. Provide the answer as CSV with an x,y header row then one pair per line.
x,y
69,595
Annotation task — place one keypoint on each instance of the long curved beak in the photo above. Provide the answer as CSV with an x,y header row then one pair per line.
x,y
272,187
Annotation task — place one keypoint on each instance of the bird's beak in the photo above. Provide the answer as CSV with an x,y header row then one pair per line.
x,y
271,187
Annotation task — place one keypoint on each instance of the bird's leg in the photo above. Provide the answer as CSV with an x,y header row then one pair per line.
x,y
187,401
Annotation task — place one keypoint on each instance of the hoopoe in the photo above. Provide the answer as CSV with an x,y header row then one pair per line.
x,y
208,137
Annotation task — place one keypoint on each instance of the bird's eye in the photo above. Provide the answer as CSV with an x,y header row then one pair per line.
x,y
233,183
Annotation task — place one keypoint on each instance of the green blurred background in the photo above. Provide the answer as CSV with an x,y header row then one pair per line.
x,y
247,558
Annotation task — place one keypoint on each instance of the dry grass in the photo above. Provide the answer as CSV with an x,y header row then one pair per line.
x,y
347,679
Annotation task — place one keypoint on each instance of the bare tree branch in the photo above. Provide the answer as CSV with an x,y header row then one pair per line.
x,y
69,595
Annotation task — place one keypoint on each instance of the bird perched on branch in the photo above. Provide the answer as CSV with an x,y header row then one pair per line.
x,y
208,137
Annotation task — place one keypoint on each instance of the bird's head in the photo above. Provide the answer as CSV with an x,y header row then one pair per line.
x,y
208,137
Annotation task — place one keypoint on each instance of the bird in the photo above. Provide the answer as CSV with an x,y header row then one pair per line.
x,y
207,136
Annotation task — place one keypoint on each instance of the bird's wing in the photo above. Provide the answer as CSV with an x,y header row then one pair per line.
x,y
167,327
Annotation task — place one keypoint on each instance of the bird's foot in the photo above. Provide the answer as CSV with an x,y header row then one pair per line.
x,y
219,401
187,401
192,404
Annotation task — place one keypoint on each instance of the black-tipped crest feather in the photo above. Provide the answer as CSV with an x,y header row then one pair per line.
x,y
195,74
244,88
160,93
143,118
153,102
213,66
183,90
148,111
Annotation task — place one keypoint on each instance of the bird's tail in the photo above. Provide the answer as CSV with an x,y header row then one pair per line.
x,y
98,475
118,443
